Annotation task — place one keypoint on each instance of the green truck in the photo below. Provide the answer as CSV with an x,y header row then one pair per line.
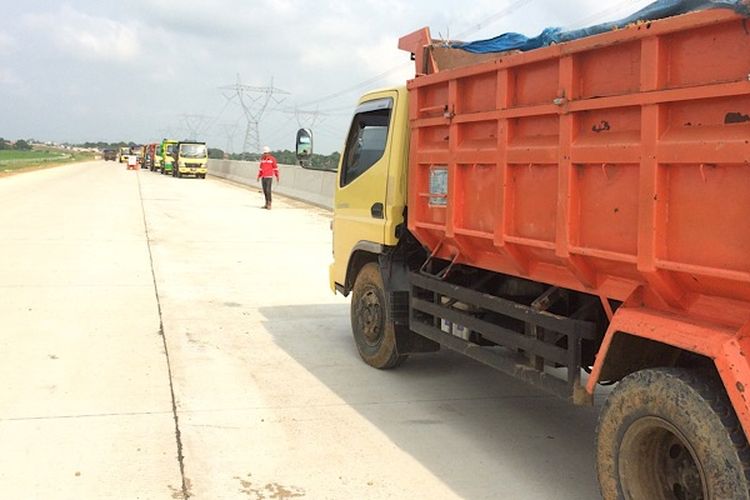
x,y
168,153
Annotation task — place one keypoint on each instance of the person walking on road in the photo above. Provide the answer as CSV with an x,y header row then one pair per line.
x,y
267,170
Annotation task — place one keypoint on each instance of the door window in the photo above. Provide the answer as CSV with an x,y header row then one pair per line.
x,y
367,139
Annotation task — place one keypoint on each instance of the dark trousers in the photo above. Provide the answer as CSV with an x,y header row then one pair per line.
x,y
267,182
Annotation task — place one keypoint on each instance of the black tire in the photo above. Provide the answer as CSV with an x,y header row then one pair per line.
x,y
374,332
671,434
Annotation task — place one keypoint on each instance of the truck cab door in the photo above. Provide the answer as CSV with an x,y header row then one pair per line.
x,y
360,200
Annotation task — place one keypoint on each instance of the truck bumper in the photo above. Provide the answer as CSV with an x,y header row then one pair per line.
x,y
332,280
193,171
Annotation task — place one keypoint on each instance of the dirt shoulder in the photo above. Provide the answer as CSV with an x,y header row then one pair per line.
x,y
17,164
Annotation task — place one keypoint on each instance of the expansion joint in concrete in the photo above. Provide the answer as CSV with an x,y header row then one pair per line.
x,y
178,435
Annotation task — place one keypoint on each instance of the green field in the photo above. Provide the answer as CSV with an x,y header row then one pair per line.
x,y
14,161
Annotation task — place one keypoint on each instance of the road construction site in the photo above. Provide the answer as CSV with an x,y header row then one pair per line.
x,y
167,338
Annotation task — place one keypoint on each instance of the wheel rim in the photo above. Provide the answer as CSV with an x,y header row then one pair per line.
x,y
370,318
656,461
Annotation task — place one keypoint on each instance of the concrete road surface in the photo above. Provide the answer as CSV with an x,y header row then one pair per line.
x,y
167,338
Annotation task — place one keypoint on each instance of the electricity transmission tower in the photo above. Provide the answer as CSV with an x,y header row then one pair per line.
x,y
230,130
254,101
195,125
166,132
307,119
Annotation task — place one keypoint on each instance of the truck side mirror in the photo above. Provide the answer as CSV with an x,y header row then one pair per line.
x,y
304,147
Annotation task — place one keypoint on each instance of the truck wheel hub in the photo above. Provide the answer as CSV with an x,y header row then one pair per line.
x,y
656,460
371,317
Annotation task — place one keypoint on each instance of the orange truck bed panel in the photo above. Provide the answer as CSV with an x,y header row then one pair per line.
x,y
610,164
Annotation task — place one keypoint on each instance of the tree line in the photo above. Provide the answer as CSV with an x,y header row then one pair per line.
x,y
286,157
19,145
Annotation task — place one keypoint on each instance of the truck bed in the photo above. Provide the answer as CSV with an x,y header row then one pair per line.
x,y
615,165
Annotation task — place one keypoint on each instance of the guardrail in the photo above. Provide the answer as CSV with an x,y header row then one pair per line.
x,y
315,187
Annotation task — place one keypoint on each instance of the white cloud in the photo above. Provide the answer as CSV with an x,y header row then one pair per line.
x,y
88,37
382,56
8,44
9,77
322,51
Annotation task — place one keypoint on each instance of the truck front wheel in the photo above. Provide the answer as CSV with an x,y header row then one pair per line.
x,y
671,434
374,331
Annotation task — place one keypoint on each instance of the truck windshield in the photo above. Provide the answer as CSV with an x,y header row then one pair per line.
x,y
193,150
170,149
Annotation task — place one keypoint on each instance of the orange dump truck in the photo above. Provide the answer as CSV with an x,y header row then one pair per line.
x,y
573,215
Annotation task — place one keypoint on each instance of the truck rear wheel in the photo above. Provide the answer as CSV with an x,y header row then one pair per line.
x,y
374,331
671,434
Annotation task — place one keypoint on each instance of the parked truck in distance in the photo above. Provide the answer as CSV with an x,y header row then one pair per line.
x,y
583,209
152,160
191,158
168,155
123,153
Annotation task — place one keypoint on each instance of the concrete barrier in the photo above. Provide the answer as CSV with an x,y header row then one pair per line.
x,y
311,186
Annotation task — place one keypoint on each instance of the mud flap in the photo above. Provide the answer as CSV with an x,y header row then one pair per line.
x,y
407,342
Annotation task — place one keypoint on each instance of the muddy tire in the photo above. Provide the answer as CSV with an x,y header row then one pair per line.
x,y
374,332
671,434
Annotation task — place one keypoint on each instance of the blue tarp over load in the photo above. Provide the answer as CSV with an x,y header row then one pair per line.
x,y
657,10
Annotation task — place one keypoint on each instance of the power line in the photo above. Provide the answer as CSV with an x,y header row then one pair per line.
x,y
215,119
277,133
491,19
194,124
348,107
357,86
603,14
510,9
230,130
308,118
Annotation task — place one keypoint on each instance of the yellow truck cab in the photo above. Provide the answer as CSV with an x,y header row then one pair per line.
x,y
157,158
369,213
123,154
191,158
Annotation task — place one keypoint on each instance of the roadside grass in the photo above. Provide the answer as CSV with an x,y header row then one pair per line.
x,y
12,161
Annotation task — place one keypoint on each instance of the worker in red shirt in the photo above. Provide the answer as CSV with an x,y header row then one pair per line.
x,y
267,170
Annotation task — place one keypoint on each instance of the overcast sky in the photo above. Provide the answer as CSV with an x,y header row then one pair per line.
x,y
140,70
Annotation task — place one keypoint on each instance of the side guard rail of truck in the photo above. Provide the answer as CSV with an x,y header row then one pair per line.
x,y
548,340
